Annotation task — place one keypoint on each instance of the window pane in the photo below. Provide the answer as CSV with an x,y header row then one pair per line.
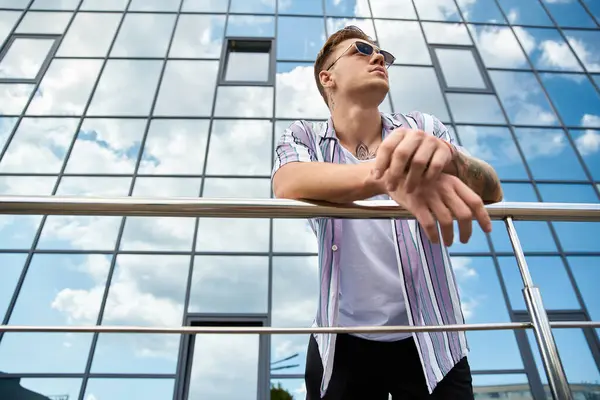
x,y
67,387
12,266
552,52
297,387
588,144
237,188
229,284
187,88
490,39
167,187
252,6
482,302
567,193
549,154
112,5
475,108
586,45
93,186
441,10
417,88
586,271
393,9
460,68
224,366
250,26
13,98
403,39
204,5
7,22
18,231
41,22
293,235
523,98
144,35
299,38
198,36
563,88
548,273
55,4
154,5
249,140
297,93
90,34
21,185
24,58
106,146
578,236
244,101
125,389
65,88
14,4
39,145
158,234
175,147
229,234
347,8
594,7
569,13
366,25
243,66
74,232
482,11
445,33
305,7
6,127
126,87
495,146
505,386
525,12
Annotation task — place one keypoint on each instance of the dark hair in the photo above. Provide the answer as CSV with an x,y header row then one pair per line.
x,y
349,32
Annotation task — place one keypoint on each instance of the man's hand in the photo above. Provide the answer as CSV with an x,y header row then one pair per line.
x,y
444,200
411,154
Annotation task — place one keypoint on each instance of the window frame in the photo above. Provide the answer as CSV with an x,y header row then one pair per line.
x,y
51,53
186,349
244,44
478,61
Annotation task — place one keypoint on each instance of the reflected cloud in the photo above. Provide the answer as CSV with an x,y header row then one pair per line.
x,y
297,94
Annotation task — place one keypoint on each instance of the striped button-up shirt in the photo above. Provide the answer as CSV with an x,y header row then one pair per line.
x,y
430,289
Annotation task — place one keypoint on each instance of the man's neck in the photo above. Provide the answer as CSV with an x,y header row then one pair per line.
x,y
355,124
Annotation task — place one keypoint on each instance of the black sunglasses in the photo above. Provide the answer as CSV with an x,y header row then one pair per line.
x,y
367,50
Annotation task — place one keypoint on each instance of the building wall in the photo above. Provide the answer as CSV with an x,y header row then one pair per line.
x,y
139,98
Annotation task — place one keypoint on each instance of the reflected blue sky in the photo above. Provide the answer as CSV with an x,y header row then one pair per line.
x,y
569,13
525,12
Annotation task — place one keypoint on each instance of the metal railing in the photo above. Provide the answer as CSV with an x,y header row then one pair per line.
x,y
281,208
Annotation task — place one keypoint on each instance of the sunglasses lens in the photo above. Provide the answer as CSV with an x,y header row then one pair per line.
x,y
388,57
364,48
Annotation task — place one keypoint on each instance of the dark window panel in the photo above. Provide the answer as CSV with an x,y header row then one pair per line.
x,y
198,36
550,52
567,193
489,39
569,13
175,147
144,35
52,388
39,145
205,5
588,144
90,34
250,26
404,40
446,33
393,9
305,7
459,68
299,38
65,88
158,233
547,273
125,389
229,284
54,4
528,12
549,154
252,6
12,266
416,88
294,100
13,97
24,58
244,101
496,146
563,88
154,5
366,25
475,108
108,146
94,186
347,8
441,10
481,11
104,5
126,87
586,45
187,88
43,22
578,236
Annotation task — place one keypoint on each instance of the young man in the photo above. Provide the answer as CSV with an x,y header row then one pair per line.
x,y
383,272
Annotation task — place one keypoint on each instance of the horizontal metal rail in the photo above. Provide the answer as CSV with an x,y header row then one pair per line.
x,y
273,330
270,208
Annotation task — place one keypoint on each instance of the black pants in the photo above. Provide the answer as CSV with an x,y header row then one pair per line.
x,y
370,370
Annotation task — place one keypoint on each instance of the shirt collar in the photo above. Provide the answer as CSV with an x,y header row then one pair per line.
x,y
389,124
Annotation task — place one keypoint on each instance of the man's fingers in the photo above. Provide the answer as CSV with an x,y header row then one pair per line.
x,y
462,213
474,202
385,151
418,164
401,158
428,222
436,165
443,215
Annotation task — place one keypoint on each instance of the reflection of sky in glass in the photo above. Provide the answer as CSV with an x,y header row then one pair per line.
x,y
482,11
347,8
588,144
299,38
525,12
549,50
563,88
250,26
586,45
305,7
569,13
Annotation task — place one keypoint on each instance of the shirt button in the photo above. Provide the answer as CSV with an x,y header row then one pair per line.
x,y
334,247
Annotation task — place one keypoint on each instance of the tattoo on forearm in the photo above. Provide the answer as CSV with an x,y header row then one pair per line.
x,y
478,177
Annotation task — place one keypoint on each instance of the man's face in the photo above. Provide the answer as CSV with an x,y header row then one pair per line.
x,y
356,74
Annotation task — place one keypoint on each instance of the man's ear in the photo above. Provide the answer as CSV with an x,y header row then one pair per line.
x,y
326,79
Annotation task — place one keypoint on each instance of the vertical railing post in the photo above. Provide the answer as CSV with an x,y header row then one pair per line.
x,y
555,372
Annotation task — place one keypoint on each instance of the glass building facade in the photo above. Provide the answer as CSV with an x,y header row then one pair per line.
x,y
188,98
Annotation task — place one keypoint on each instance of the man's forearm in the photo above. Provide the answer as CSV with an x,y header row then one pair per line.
x,y
335,183
478,175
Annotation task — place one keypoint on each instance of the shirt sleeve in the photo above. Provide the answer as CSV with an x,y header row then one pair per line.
x,y
296,144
